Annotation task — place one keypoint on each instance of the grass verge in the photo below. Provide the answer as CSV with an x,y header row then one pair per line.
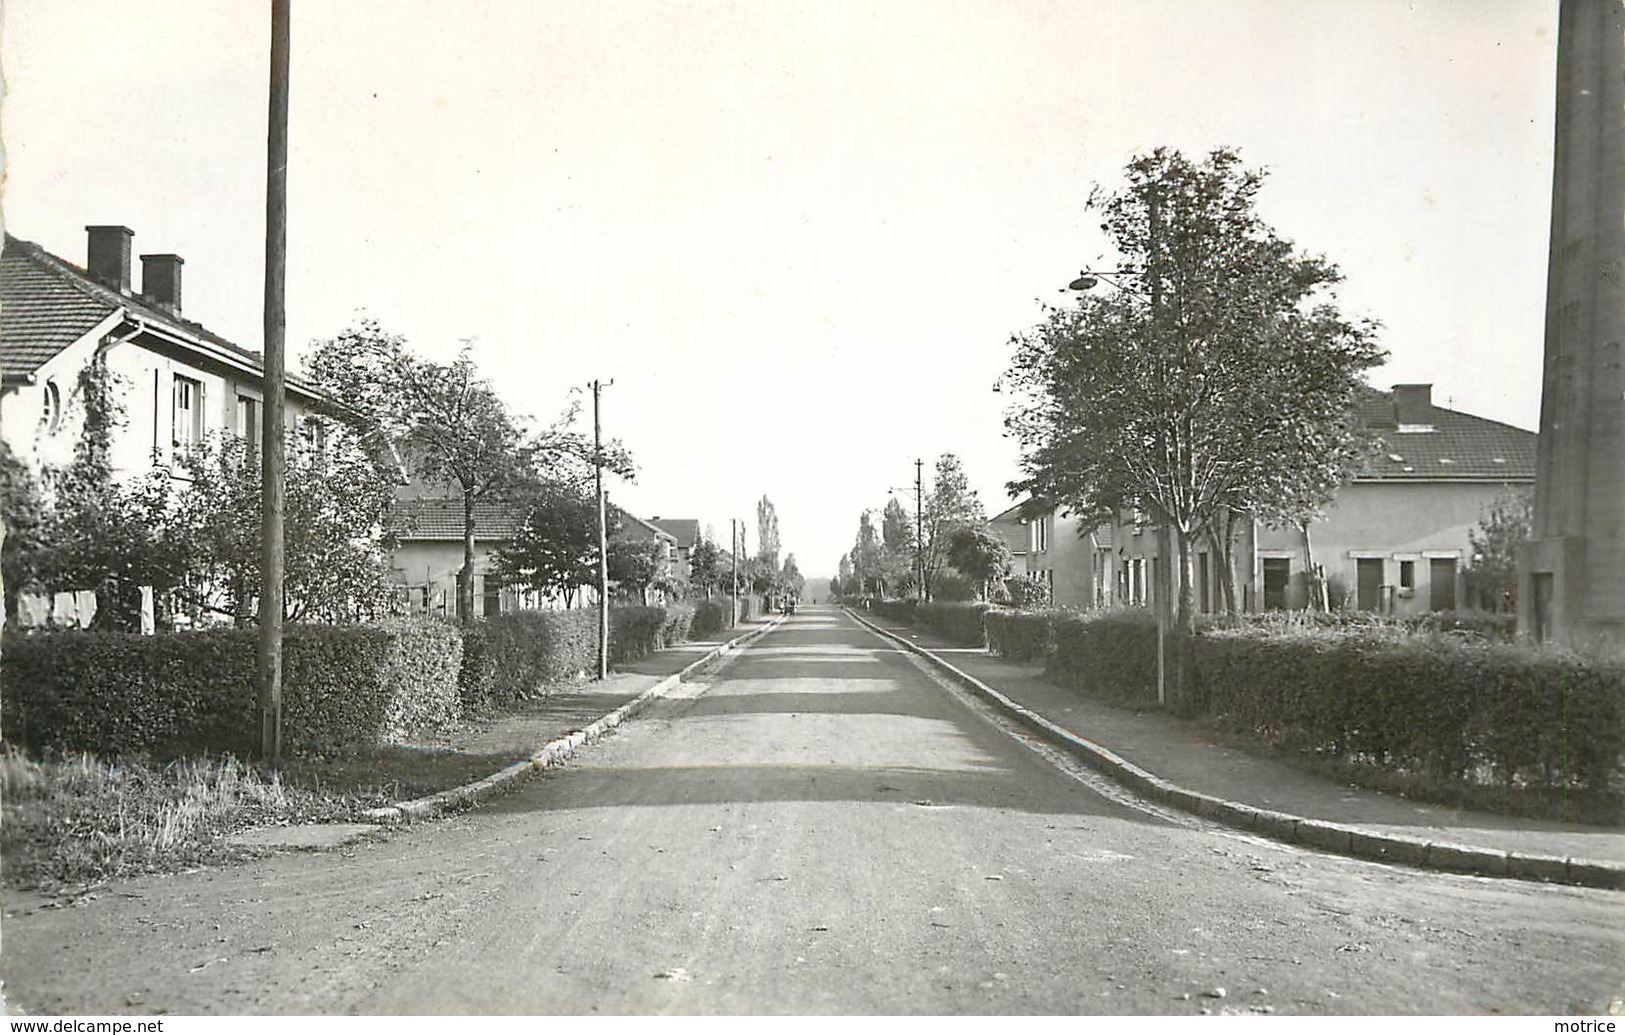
x,y
76,820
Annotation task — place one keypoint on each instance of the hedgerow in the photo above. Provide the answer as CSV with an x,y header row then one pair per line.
x,y
960,621
711,616
1022,635
179,693
519,653
1111,654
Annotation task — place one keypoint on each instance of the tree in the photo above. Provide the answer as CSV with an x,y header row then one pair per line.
x,y
767,533
633,564
950,506
98,533
979,555
866,556
555,549
335,535
22,515
458,432
844,577
1502,530
791,578
1225,381
705,571
897,547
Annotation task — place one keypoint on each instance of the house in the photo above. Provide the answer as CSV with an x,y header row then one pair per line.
x,y
1395,539
428,551
687,533
178,381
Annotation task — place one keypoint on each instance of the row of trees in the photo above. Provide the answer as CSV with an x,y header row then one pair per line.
x,y
958,555
1219,383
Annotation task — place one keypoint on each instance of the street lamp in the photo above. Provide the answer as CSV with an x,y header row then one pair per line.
x,y
1088,280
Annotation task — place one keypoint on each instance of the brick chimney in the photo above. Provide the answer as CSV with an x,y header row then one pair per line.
x,y
109,256
161,280
1413,405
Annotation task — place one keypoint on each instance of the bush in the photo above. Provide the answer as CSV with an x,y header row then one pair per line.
x,y
896,610
950,586
1112,654
635,632
179,693
957,621
1027,592
1456,710
678,623
711,616
1022,635
511,656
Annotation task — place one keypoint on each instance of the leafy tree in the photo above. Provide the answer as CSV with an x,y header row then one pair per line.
x,y
767,533
792,579
555,549
1504,529
979,555
457,431
100,534
897,548
866,557
335,532
634,563
22,516
844,577
834,587
950,506
1224,381
705,571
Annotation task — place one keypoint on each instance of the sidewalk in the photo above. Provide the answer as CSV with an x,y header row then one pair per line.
x,y
518,734
1178,752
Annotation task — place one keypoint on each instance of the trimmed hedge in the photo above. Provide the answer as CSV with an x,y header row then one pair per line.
x,y
1112,654
711,616
636,632
511,656
960,621
123,693
1451,708
1022,635
679,623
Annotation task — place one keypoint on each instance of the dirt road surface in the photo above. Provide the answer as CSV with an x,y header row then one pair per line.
x,y
821,828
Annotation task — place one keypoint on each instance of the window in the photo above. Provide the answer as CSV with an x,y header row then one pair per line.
x,y
51,407
250,420
186,414
1407,574
1040,536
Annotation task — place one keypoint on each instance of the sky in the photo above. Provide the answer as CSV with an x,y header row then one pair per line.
x,y
796,235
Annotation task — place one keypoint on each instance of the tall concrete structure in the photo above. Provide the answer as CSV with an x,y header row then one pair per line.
x,y
1572,576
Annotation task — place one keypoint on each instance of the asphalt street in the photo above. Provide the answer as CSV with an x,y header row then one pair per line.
x,y
819,827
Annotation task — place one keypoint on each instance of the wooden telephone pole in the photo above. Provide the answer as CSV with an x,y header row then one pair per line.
x,y
603,535
272,458
919,529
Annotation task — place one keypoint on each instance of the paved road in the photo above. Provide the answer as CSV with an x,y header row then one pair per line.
x,y
824,828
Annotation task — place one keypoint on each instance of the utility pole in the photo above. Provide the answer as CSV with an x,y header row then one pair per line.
x,y
733,555
603,533
1164,571
272,455
919,529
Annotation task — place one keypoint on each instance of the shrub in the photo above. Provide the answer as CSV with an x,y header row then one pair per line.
x,y
950,586
1027,592
1457,710
511,656
635,632
1109,653
175,693
896,610
1022,635
678,624
711,616
957,621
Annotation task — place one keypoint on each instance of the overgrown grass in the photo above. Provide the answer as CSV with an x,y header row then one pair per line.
x,y
76,820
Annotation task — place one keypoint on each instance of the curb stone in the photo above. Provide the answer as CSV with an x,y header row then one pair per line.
x,y
554,752
1280,826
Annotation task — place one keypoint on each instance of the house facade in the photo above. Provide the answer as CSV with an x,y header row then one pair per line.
x,y
177,383
1396,539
